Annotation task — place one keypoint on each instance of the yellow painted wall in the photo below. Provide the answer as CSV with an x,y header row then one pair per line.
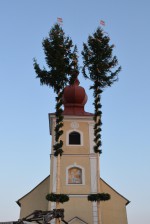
x,y
78,155
112,211
78,207
35,200
75,188
83,127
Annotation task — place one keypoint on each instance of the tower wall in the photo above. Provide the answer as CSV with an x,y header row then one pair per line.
x,y
76,158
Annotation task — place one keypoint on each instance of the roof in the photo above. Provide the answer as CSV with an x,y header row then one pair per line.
x,y
18,201
116,192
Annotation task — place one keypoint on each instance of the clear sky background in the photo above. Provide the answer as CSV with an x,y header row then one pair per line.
x,y
24,104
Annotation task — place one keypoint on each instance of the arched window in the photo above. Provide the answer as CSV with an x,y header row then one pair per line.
x,y
74,175
74,138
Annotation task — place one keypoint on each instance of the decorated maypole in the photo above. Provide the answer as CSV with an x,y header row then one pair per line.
x,y
62,69
98,66
62,63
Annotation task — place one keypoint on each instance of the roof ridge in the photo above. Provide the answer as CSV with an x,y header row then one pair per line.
x,y
31,190
116,191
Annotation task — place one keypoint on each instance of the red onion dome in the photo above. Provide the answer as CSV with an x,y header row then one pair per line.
x,y
74,99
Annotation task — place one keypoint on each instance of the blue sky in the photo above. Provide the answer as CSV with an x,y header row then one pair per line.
x,y
25,140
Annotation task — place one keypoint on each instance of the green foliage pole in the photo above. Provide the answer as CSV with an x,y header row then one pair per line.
x,y
62,62
99,67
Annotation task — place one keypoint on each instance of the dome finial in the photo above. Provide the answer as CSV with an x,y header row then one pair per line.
x,y
76,82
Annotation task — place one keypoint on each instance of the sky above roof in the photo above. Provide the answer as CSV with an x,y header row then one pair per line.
x,y
24,129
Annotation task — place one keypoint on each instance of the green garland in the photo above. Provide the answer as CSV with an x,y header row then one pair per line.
x,y
99,197
97,119
59,124
57,197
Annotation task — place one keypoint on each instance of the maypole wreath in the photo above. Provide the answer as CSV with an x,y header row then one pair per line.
x,y
57,197
99,197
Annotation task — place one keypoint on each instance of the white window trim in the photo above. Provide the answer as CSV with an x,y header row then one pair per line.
x,y
67,137
83,174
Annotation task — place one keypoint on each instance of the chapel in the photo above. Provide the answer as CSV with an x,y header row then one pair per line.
x,y
79,176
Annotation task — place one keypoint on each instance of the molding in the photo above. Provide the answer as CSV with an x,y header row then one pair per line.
x,y
54,174
75,117
91,137
53,206
78,195
79,118
93,166
92,155
94,211
85,118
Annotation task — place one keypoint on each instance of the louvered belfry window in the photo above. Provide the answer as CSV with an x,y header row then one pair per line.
x,y
74,138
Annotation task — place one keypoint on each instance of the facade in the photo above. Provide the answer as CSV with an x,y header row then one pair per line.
x,y
79,170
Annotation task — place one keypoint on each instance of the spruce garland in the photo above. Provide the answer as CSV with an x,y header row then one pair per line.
x,y
57,197
59,124
99,197
97,119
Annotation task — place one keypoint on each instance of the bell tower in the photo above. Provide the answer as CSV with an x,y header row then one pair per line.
x,y
78,166
79,172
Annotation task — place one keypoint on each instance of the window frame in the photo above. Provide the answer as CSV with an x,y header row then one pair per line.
x,y
78,139
82,178
67,138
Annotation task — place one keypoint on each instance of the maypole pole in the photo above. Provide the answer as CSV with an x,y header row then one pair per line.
x,y
98,124
99,64
98,190
61,60
60,22
58,146
58,186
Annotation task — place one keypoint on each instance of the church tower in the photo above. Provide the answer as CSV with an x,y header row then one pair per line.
x,y
79,171
79,168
